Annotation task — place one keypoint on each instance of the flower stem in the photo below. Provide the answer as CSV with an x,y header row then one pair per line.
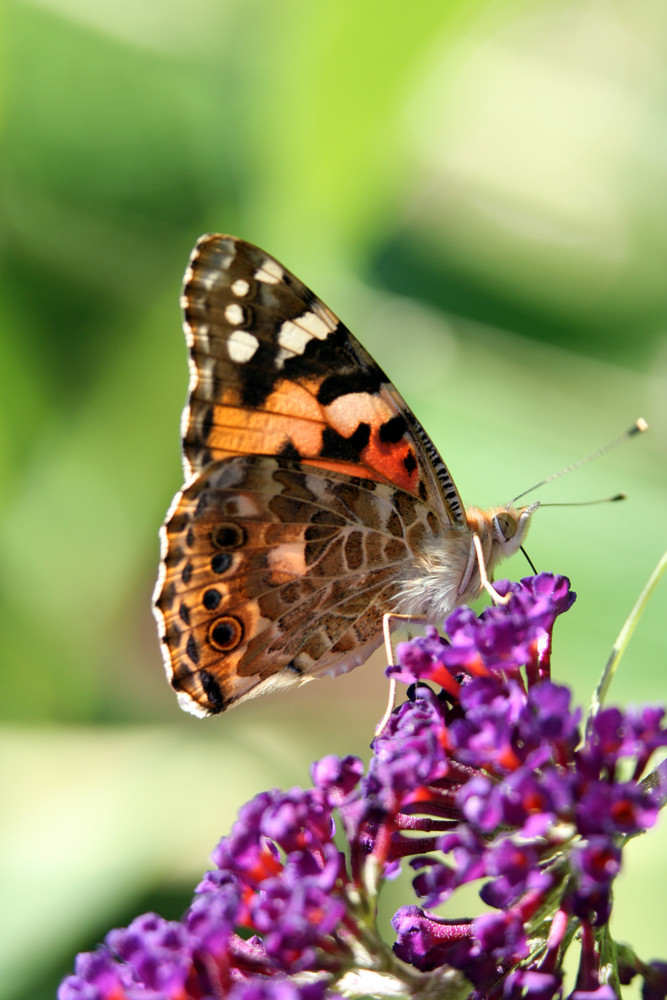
x,y
623,639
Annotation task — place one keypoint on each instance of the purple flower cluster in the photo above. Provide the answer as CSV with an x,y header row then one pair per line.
x,y
486,777
523,802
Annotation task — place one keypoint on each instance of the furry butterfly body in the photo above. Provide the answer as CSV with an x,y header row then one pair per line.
x,y
314,500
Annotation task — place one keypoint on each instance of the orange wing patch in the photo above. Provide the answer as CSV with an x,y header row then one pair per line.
x,y
379,431
291,414
358,433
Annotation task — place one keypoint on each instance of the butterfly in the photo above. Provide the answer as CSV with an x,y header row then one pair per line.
x,y
314,501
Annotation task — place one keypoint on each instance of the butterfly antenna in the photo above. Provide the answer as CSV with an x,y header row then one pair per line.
x,y
586,503
638,427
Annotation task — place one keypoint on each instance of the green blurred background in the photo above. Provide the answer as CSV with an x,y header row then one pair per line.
x,y
480,191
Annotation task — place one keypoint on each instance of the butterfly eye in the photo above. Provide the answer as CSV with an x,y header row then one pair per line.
x,y
505,526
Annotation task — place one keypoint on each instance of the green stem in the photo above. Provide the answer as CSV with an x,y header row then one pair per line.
x,y
623,639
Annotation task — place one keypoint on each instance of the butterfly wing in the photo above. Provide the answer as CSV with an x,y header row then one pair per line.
x,y
274,371
275,573
310,487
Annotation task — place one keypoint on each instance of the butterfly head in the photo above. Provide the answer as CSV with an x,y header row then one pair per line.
x,y
510,526
501,530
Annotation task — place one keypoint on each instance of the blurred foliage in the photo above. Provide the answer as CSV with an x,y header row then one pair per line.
x,y
479,189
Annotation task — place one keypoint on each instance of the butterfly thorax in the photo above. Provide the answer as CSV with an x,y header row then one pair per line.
x,y
447,572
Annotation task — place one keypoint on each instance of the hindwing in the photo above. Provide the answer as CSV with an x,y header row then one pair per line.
x,y
274,574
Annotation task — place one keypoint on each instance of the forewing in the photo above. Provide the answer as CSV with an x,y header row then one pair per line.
x,y
274,372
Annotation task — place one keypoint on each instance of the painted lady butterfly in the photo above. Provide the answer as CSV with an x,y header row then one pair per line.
x,y
314,500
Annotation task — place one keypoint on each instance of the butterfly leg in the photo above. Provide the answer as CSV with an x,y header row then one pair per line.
x,y
483,577
387,620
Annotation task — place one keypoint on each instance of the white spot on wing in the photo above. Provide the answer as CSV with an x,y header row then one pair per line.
x,y
281,357
325,314
240,287
241,346
293,338
316,324
270,272
234,314
295,335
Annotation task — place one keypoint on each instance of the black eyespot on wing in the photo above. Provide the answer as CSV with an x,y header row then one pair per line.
x,y
225,633
228,535
211,599
221,562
